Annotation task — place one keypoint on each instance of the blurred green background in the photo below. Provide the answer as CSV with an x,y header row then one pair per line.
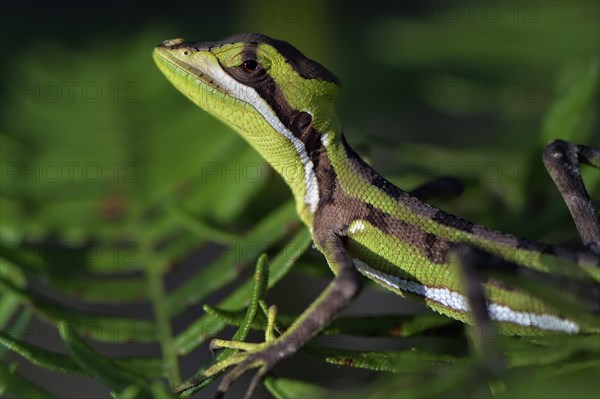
x,y
111,180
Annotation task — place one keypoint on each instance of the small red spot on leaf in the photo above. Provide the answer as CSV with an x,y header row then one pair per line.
x,y
397,331
291,226
113,207
239,268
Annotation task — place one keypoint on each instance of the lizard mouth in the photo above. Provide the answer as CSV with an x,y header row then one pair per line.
x,y
169,58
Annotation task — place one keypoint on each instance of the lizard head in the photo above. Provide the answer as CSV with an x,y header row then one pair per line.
x,y
280,101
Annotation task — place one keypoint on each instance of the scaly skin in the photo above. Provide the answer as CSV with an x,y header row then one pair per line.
x,y
283,104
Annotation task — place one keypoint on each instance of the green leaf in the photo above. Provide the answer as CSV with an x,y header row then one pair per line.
x,y
388,326
395,362
17,329
201,229
569,116
197,332
156,292
109,372
368,326
556,381
228,266
441,383
9,303
42,357
261,280
102,328
158,390
261,277
95,288
208,326
547,350
286,388
149,367
504,44
19,386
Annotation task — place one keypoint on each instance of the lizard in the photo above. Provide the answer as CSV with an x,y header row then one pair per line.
x,y
283,104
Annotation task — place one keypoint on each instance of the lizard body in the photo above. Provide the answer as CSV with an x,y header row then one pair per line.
x,y
283,104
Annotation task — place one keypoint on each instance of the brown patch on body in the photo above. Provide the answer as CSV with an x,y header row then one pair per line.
x,y
337,210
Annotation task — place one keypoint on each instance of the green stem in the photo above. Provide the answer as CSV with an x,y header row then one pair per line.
x,y
201,229
156,292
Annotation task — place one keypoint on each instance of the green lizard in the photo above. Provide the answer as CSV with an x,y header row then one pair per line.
x,y
282,103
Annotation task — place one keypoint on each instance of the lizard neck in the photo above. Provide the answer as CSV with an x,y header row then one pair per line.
x,y
321,142
343,177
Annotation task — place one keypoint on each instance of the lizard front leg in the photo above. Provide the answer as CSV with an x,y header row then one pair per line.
x,y
336,296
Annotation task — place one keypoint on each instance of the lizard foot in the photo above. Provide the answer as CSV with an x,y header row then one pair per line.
x,y
262,356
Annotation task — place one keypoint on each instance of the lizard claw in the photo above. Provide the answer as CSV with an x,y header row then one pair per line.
x,y
263,358
246,365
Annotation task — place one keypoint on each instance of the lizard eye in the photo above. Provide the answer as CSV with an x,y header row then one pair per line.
x,y
253,68
250,66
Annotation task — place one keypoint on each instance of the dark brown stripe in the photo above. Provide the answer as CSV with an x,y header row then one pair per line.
x,y
328,186
297,122
367,173
430,244
549,249
301,126
305,67
364,170
560,252
450,220
529,245
337,211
